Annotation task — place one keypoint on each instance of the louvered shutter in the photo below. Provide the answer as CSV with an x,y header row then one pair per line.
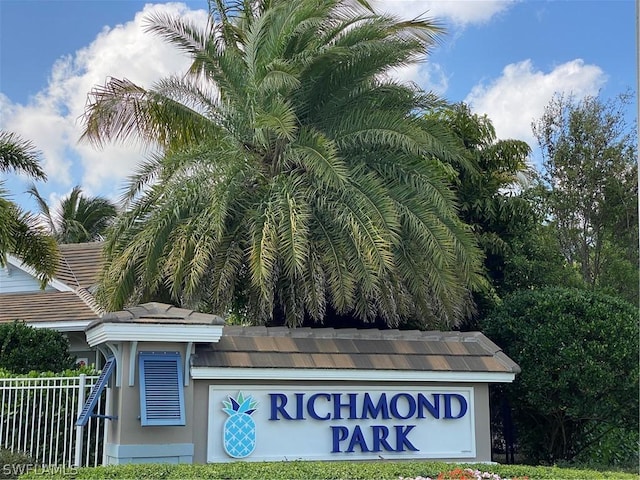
x,y
161,388
96,391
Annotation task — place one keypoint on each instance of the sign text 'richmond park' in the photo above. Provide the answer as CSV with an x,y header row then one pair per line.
x,y
346,411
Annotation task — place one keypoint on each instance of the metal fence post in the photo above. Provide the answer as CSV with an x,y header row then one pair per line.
x,y
105,433
81,394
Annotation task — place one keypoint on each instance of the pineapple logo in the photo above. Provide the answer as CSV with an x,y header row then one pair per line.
x,y
239,429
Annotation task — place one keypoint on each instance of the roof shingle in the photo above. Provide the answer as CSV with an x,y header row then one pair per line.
x,y
44,307
79,268
327,348
80,264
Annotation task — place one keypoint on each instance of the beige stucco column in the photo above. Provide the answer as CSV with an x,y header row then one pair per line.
x,y
151,396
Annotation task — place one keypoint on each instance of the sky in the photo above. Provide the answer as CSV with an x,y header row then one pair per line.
x,y
506,59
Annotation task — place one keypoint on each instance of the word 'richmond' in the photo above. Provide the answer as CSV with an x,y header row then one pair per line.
x,y
361,406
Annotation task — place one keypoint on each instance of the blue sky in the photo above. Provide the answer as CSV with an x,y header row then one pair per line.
x,y
505,58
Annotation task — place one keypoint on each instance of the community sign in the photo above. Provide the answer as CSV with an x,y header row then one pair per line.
x,y
270,422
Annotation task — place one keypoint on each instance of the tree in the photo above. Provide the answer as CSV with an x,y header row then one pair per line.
x,y
491,172
491,176
78,219
590,168
24,349
20,232
534,258
578,351
498,192
291,169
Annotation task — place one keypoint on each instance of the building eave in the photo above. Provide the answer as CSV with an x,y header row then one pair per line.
x,y
149,332
62,326
350,375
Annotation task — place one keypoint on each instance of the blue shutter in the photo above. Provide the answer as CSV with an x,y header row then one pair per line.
x,y
98,387
161,389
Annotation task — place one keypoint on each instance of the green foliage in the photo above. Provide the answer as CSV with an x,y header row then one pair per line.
x,y
19,155
20,232
294,175
578,389
533,258
78,219
13,464
88,370
590,170
24,349
619,273
611,447
499,198
336,470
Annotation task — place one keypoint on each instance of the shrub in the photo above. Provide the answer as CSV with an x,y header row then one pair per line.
x,y
24,348
374,470
13,464
578,351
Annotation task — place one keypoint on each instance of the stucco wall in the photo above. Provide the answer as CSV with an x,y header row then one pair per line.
x,y
129,442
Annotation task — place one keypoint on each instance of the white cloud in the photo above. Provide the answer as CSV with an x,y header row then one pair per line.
x,y
41,123
429,76
51,119
519,95
459,12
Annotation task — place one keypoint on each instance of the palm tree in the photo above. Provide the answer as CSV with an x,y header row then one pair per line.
x,y
494,179
291,170
491,173
20,232
78,219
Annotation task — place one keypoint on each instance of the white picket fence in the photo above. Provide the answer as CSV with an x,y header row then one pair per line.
x,y
38,417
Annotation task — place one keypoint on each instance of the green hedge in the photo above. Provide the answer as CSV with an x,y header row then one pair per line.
x,y
24,348
576,399
12,464
379,470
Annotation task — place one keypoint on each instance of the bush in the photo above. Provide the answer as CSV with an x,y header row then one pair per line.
x,y
577,395
378,470
24,348
13,464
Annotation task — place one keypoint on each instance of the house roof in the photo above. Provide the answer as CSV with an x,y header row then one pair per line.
x,y
350,349
40,307
80,264
78,269
270,353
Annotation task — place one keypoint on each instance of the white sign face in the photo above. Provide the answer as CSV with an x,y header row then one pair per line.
x,y
260,423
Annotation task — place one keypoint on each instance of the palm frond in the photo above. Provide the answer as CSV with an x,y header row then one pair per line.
x,y
292,175
186,35
43,206
121,110
19,155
